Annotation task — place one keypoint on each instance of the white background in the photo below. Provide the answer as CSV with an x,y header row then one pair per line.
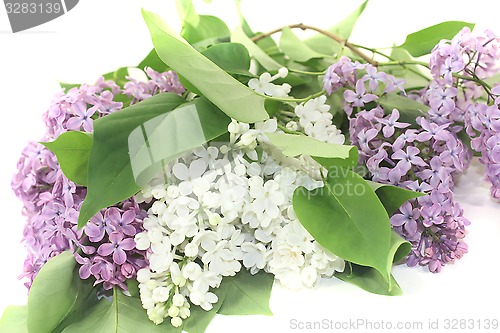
x,y
100,36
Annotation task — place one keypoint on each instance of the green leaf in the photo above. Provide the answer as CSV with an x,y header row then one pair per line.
x,y
206,31
392,197
153,60
232,97
295,48
72,150
408,72
247,294
239,36
423,41
123,314
162,139
14,319
186,11
347,218
326,45
408,108
55,294
119,76
294,145
231,57
400,248
110,176
369,279
68,86
199,319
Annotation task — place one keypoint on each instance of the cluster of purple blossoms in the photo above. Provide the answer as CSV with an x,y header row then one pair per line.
x,y
459,67
106,247
423,159
112,257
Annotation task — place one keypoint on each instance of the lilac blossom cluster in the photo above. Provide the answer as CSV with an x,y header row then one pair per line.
x,y
423,159
51,202
459,67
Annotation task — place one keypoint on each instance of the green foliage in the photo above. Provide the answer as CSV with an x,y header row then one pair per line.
x,y
239,36
14,319
247,294
408,108
295,48
199,319
392,197
57,292
119,76
153,60
231,57
72,150
232,97
208,31
110,176
335,217
123,314
68,86
162,139
295,145
369,279
423,41
412,74
325,45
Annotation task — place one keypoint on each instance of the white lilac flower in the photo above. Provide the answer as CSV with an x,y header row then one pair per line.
x,y
227,208
315,120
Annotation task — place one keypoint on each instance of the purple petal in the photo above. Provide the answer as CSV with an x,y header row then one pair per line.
x,y
94,232
106,249
84,272
129,230
115,237
74,123
119,256
411,227
350,96
398,220
114,214
127,244
388,131
128,217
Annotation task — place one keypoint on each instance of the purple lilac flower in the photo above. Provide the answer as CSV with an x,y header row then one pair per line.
x,y
424,159
391,123
359,97
117,246
52,202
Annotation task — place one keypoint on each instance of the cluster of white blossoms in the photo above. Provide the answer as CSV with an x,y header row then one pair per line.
x,y
227,207
315,120
264,84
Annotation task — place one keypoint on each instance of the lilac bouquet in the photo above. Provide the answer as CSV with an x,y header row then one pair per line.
x,y
162,196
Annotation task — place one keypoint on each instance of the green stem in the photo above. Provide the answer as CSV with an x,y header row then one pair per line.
x,y
289,131
394,60
306,72
296,100
338,39
404,63
476,79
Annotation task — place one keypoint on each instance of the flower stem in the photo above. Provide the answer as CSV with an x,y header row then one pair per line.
x,y
393,61
296,100
289,131
333,36
306,72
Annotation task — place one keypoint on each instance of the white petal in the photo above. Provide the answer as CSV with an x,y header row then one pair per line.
x,y
180,171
